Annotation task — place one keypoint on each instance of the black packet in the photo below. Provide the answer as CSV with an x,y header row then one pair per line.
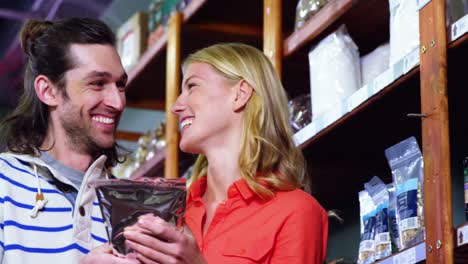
x,y
122,201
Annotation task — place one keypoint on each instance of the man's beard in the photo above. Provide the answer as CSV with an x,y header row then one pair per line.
x,y
78,135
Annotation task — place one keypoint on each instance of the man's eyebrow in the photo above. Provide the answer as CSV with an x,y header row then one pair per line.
x,y
94,74
105,74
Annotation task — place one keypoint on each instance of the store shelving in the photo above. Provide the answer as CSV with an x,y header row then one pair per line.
x,y
344,147
316,25
149,71
414,254
368,94
152,167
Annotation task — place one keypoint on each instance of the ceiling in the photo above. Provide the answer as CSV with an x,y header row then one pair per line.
x,y
13,13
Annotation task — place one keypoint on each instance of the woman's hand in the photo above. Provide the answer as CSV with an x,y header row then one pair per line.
x,y
104,255
156,241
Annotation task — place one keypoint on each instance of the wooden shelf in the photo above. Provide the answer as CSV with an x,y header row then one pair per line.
x,y
461,243
153,167
204,23
371,93
458,33
152,52
316,25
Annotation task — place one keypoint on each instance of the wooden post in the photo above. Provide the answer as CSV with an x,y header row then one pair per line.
x,y
435,134
272,39
171,169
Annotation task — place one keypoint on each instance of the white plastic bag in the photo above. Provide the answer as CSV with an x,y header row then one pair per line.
x,y
374,63
404,28
335,71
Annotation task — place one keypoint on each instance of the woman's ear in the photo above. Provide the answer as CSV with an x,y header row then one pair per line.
x,y
243,91
45,90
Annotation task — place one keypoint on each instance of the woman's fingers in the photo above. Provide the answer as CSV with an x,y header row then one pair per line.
x,y
151,255
146,260
160,229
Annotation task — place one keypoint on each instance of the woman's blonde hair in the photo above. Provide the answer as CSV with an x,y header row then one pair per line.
x,y
269,160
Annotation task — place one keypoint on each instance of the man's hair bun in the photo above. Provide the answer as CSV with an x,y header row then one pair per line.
x,y
32,30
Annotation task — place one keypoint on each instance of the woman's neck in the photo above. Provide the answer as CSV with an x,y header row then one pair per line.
x,y
222,172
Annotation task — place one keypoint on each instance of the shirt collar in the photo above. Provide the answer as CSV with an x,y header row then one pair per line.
x,y
198,188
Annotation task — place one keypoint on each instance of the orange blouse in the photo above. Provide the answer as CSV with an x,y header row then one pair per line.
x,y
290,228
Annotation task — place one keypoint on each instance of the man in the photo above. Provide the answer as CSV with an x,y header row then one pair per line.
x,y
60,138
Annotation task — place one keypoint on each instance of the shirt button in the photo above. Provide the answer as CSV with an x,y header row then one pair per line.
x,y
82,211
232,192
223,202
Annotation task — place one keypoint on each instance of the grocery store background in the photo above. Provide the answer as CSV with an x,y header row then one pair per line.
x,y
13,13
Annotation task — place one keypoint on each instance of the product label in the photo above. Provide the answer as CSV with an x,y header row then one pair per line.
x,y
381,221
369,228
393,223
407,204
459,28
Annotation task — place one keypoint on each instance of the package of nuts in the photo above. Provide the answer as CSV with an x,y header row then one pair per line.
x,y
406,162
379,194
368,221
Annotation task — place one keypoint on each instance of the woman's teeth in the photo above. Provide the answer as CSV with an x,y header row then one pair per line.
x,y
187,122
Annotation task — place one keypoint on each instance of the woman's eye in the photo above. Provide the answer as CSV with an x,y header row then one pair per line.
x,y
190,86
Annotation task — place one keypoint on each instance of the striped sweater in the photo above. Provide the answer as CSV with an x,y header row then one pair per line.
x,y
58,234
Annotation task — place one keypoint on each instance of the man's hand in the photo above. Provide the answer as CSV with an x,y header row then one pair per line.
x,y
104,255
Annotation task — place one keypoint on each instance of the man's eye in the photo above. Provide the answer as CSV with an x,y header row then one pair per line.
x,y
191,85
98,83
121,84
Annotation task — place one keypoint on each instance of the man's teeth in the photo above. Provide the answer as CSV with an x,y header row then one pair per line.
x,y
105,120
186,122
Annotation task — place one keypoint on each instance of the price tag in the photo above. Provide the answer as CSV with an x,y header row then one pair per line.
x,y
304,134
411,60
421,3
319,123
405,257
462,235
357,98
459,28
332,115
383,80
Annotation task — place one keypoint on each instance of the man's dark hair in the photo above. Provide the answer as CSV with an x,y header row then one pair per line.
x,y
47,48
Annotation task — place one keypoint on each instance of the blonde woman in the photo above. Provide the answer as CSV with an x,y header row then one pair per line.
x,y
245,204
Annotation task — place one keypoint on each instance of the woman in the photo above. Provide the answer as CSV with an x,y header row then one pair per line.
x,y
245,204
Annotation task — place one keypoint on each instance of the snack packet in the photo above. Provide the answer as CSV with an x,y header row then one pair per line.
x,y
122,201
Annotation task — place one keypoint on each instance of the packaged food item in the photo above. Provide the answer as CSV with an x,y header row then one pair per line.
x,y
392,218
465,176
406,162
300,113
456,9
131,39
123,201
367,244
335,71
404,28
305,9
379,195
374,63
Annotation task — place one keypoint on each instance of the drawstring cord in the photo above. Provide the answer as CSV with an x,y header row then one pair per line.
x,y
40,199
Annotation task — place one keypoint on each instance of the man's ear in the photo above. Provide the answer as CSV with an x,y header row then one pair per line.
x,y
46,90
243,91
